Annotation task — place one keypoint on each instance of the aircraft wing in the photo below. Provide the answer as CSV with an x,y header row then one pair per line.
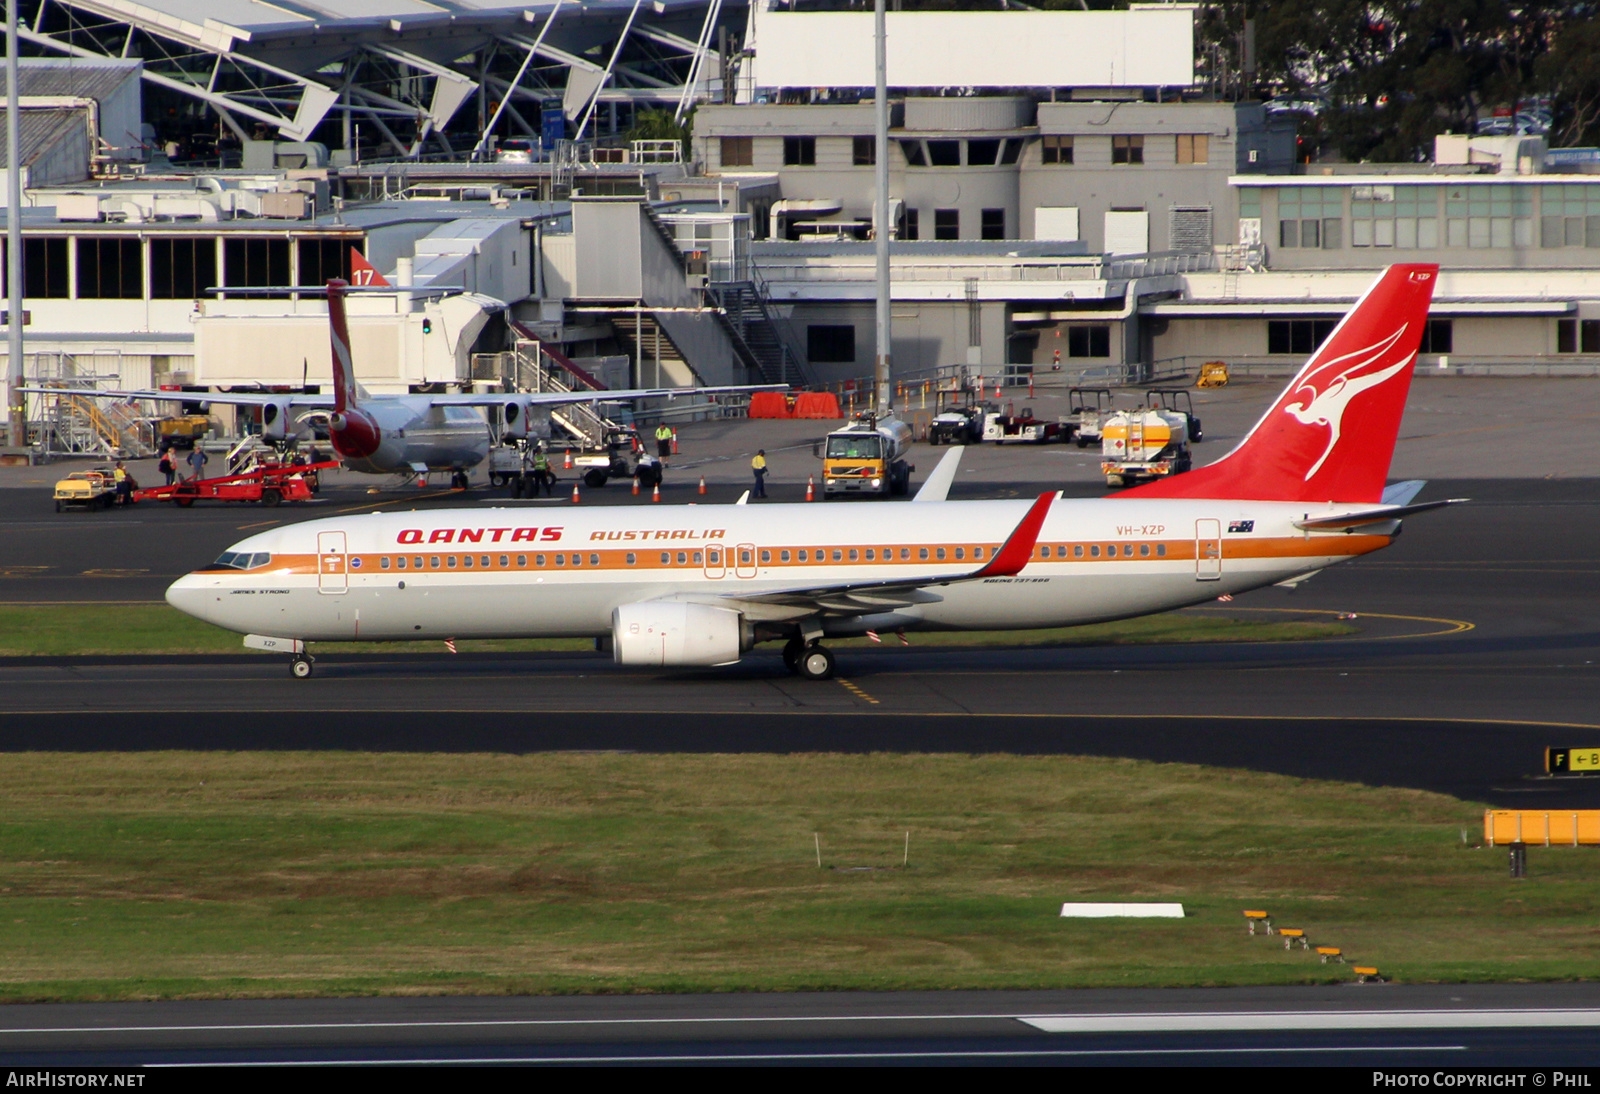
x,y
861,597
620,395
231,398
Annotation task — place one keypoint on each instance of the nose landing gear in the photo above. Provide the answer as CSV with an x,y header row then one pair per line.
x,y
300,666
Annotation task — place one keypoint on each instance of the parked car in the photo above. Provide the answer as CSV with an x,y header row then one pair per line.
x,y
515,150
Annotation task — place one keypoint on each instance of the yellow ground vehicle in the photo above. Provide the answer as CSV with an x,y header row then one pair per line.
x,y
1147,443
867,457
185,430
94,489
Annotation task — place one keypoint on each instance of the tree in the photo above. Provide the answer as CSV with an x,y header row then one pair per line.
x,y
1570,75
657,124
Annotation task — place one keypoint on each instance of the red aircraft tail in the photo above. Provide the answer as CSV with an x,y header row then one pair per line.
x,y
344,373
1331,434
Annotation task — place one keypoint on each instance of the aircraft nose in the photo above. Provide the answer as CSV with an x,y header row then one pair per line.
x,y
189,595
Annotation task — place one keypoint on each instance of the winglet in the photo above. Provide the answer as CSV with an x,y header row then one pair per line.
x,y
937,488
1017,550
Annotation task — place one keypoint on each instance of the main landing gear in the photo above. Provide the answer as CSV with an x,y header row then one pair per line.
x,y
300,666
809,661
459,481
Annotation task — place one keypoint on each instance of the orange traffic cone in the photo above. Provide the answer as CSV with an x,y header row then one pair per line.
x,y
1030,385
997,389
674,442
567,463
811,488
574,493
636,486
702,484
655,495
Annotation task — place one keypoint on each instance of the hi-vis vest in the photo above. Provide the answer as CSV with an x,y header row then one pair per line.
x,y
663,433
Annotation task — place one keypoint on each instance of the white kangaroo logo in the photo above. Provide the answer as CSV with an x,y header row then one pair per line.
x,y
1327,405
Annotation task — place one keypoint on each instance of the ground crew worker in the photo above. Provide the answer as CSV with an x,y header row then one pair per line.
x,y
167,465
663,440
542,475
124,484
197,460
759,466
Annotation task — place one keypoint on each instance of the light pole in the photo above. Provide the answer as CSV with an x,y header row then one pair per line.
x,y
880,218
15,402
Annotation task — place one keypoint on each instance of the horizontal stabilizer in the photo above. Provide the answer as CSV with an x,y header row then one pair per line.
x,y
1401,493
1349,522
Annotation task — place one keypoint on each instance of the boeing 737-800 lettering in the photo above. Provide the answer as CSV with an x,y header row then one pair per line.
x,y
1304,490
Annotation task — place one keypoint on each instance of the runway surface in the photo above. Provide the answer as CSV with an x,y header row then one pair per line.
x,y
1550,1026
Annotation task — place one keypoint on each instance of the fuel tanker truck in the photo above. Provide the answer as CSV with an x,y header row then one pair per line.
x,y
1143,444
867,457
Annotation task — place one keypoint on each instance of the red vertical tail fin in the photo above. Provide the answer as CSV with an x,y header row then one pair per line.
x,y
344,373
1331,434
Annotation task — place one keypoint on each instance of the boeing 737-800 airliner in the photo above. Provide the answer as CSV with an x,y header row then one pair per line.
x,y
702,585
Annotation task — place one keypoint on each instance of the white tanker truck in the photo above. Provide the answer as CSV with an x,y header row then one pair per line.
x,y
867,457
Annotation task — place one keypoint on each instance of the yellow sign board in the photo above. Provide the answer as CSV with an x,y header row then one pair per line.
x,y
1551,828
1563,761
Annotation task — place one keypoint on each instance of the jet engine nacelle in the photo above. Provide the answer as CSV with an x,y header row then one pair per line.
x,y
665,632
277,421
516,418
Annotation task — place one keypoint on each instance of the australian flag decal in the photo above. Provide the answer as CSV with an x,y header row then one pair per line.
x,y
1241,526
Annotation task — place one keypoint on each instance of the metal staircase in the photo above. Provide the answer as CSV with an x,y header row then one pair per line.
x,y
84,426
743,314
650,346
537,366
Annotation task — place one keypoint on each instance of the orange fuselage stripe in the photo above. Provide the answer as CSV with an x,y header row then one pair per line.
x,y
1045,553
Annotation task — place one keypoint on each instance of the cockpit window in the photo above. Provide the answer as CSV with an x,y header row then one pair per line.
x,y
241,560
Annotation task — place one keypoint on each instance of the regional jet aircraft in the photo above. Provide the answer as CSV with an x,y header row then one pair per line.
x,y
399,434
702,585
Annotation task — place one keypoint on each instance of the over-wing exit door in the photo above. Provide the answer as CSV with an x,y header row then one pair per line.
x,y
1207,550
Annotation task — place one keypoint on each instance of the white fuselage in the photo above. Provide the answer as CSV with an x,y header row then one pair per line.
x,y
502,573
418,433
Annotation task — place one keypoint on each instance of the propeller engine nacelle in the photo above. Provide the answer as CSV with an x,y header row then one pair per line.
x,y
354,434
516,417
278,421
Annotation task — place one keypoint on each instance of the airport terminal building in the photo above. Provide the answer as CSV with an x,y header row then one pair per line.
x,y
1051,217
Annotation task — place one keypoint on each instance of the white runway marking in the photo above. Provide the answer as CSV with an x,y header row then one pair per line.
x,y
1266,1021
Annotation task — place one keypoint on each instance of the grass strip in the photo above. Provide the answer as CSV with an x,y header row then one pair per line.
x,y
69,630
160,875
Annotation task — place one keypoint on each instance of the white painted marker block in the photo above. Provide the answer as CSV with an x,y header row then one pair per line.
x,y
1112,911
